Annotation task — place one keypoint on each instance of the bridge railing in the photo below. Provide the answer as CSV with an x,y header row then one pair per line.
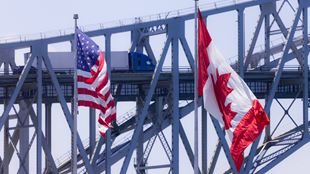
x,y
118,23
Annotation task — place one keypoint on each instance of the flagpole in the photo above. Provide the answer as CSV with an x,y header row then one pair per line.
x,y
75,112
196,93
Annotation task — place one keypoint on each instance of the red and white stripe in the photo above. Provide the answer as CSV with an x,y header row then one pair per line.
x,y
248,119
94,91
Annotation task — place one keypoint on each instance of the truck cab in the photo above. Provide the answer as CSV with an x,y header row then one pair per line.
x,y
140,62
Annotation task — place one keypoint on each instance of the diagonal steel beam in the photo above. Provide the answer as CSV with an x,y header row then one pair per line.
x,y
283,60
187,146
215,157
285,33
254,40
143,114
187,52
223,141
18,87
280,158
43,140
276,79
67,114
149,50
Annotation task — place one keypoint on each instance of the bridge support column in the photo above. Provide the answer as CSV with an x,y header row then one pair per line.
x,y
305,73
175,104
204,140
108,132
48,132
23,140
92,131
39,114
139,149
5,169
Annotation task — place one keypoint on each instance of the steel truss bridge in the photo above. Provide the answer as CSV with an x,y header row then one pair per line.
x,y
159,94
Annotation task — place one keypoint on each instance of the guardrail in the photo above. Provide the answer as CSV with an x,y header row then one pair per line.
x,y
118,23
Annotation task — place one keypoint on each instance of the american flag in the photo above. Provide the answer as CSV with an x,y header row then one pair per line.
x,y
93,81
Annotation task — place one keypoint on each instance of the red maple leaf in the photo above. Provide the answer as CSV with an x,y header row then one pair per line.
x,y
221,91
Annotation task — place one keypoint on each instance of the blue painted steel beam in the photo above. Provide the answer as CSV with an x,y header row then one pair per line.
x,y
285,33
143,114
254,40
44,141
187,146
215,157
187,52
39,114
283,156
67,114
241,41
225,146
134,26
282,62
18,87
108,132
121,152
175,98
204,141
149,50
92,131
305,71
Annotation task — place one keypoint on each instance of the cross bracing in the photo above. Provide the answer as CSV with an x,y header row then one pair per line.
x,y
158,94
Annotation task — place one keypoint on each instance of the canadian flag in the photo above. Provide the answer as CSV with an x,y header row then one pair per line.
x,y
227,97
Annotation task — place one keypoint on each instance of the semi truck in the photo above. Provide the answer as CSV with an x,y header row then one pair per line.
x,y
121,61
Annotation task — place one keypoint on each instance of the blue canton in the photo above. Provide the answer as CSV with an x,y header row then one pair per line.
x,y
87,52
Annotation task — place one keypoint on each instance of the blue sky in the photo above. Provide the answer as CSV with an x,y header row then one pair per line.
x,y
36,16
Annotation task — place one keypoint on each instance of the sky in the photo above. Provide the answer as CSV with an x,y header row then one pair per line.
x,y
35,16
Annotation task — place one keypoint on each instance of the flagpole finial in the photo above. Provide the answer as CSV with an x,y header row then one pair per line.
x,y
75,16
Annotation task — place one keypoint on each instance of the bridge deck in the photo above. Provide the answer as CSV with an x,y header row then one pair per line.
x,y
126,86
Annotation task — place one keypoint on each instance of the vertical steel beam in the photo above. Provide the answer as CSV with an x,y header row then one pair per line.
x,y
73,145
134,40
204,140
108,152
108,132
6,144
175,104
268,127
48,132
306,71
92,131
241,41
24,140
39,114
139,149
5,169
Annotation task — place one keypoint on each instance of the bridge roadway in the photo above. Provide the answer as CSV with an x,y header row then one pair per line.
x,y
126,86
